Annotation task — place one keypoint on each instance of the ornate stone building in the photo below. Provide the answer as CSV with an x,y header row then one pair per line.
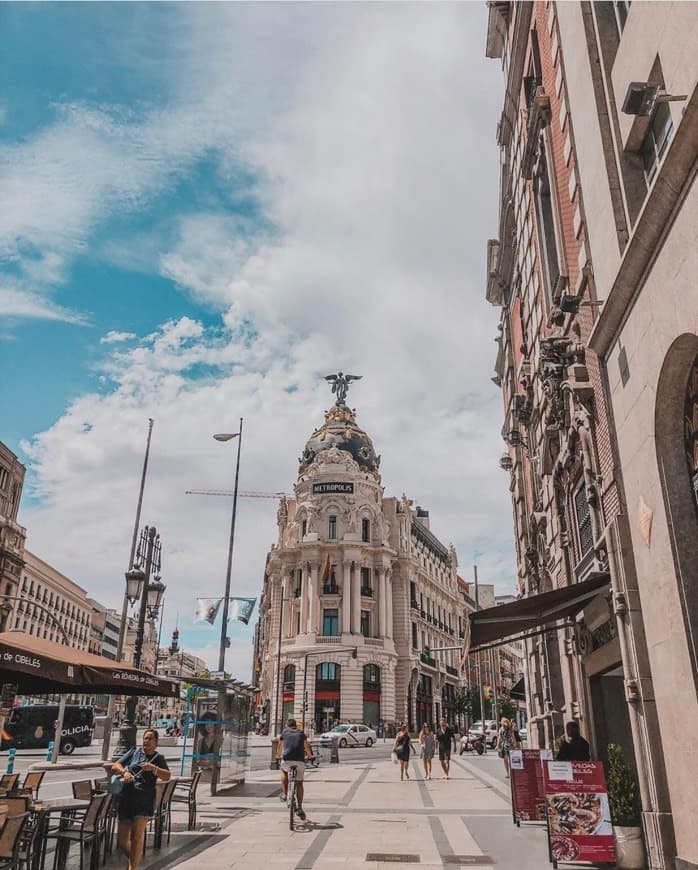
x,y
366,587
594,271
12,535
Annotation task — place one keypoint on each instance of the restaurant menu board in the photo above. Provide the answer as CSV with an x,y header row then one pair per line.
x,y
527,788
579,819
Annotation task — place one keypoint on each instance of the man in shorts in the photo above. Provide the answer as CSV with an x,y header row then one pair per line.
x,y
293,749
446,739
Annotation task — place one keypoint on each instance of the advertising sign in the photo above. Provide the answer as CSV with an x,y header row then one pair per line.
x,y
527,789
579,819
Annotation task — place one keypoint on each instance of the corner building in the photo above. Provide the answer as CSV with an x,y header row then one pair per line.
x,y
366,586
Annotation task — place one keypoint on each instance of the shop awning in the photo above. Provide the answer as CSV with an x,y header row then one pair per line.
x,y
508,620
518,691
39,666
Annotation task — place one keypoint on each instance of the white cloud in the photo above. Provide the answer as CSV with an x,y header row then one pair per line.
x,y
19,304
114,336
376,164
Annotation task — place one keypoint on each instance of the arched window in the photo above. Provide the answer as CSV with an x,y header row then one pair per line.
x,y
372,675
290,675
327,672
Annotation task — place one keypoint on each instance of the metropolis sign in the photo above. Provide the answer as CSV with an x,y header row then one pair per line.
x,y
326,488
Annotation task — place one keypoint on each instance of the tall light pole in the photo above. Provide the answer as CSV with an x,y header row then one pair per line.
x,y
124,607
227,436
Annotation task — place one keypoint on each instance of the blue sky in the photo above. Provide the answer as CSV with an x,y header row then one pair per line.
x,y
207,207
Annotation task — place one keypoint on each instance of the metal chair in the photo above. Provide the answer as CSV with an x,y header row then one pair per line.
x,y
82,789
8,781
164,816
185,792
153,822
10,841
82,830
33,781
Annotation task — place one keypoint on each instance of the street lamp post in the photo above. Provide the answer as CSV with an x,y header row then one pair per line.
x,y
139,588
227,436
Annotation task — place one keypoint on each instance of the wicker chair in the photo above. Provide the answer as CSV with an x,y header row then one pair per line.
x,y
11,841
185,792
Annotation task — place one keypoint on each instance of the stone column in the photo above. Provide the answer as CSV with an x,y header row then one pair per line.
x,y
345,580
355,599
389,605
304,601
286,598
314,599
382,609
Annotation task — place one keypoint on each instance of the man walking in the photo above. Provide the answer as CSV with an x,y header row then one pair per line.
x,y
293,749
575,748
446,739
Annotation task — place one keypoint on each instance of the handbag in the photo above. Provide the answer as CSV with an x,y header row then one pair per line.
x,y
115,784
393,757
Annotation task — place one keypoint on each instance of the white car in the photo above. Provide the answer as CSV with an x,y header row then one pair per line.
x,y
490,731
350,735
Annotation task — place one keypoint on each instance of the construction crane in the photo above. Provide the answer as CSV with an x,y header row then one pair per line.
x,y
229,493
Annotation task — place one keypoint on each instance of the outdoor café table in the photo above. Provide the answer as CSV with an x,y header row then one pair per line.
x,y
43,809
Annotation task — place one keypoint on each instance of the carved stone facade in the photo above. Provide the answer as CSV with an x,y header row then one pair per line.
x,y
547,272
365,587
12,535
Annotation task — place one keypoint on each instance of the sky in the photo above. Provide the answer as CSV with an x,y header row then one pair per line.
x,y
205,209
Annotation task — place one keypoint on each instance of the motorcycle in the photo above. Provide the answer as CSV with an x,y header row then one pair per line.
x,y
474,743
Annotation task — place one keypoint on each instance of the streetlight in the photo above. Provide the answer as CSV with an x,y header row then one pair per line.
x,y
149,595
224,437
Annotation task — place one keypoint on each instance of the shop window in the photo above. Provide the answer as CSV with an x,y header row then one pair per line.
x,y
330,622
327,672
582,516
366,530
332,529
657,140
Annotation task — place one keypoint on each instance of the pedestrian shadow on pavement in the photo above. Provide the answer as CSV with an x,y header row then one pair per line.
x,y
308,827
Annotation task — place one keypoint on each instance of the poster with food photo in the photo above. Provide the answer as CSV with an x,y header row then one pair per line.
x,y
578,814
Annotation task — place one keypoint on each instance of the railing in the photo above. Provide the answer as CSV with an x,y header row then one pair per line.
x,y
297,593
452,671
327,638
428,660
374,641
366,592
414,605
331,589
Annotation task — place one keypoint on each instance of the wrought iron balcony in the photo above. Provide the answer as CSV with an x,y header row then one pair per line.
x,y
414,605
330,589
452,671
367,592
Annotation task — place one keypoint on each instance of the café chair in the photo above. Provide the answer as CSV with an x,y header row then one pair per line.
x,y
82,789
11,841
83,830
153,822
33,781
185,792
8,781
164,815
17,805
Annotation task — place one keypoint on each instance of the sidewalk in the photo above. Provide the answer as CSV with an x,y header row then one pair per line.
x,y
362,816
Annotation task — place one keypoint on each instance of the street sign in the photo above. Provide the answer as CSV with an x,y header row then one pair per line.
x,y
217,675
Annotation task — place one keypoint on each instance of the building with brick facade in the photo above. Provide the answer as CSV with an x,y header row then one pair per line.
x,y
366,588
597,358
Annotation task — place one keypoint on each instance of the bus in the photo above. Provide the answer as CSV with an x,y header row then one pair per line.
x,y
33,726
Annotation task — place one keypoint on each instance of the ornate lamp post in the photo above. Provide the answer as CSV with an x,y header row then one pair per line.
x,y
149,594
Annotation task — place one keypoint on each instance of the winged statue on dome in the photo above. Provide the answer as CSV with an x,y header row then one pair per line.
x,y
340,384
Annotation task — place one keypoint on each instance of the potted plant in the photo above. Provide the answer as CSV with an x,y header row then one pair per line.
x,y
626,812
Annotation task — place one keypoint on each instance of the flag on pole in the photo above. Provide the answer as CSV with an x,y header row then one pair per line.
x,y
207,610
326,571
241,608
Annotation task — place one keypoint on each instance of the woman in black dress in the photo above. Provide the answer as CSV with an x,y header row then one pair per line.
x,y
402,748
141,768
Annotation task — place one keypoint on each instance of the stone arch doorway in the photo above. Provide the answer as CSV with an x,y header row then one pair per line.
x,y
676,439
328,677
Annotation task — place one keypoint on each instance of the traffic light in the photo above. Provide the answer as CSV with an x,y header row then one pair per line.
x,y
425,655
487,693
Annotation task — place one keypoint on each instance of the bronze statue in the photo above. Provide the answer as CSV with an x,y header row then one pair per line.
x,y
340,385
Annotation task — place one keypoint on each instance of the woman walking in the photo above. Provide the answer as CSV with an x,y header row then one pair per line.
x,y
506,740
141,768
402,748
428,744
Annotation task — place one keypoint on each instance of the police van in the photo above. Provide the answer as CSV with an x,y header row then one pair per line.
x,y
33,726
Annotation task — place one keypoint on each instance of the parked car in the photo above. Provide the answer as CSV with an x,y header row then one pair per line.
x,y
490,731
33,726
350,735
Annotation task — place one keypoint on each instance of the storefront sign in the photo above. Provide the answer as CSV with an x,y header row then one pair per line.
x,y
579,819
527,788
329,488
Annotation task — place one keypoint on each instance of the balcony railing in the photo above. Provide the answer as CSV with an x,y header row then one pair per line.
x,y
297,593
414,605
366,592
452,671
428,660
330,589
327,638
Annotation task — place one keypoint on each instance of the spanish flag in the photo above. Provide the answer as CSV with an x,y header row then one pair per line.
x,y
326,571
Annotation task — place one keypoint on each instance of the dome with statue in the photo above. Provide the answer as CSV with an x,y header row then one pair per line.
x,y
340,430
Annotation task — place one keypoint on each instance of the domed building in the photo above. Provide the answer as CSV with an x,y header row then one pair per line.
x,y
355,589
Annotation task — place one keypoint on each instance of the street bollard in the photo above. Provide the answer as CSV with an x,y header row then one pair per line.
x,y
11,761
334,753
49,751
274,764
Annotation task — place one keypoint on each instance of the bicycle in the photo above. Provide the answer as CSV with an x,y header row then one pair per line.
x,y
292,803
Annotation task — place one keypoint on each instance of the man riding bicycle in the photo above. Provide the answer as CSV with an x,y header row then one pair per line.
x,y
293,749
